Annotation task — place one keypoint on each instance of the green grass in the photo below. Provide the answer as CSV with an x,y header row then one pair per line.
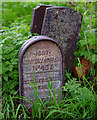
x,y
10,110
79,100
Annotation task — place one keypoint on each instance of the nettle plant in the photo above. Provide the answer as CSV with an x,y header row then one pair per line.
x,y
86,43
12,40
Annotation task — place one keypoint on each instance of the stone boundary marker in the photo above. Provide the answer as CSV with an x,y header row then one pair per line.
x,y
63,25
42,56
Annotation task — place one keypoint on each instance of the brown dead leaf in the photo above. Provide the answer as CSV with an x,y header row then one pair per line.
x,y
86,66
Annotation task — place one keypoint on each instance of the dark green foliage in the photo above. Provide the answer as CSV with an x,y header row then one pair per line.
x,y
13,38
16,20
86,44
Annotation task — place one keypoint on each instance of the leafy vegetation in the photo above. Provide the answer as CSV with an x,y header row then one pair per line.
x,y
79,101
13,38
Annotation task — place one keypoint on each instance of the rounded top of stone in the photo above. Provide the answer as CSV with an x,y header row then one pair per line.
x,y
34,40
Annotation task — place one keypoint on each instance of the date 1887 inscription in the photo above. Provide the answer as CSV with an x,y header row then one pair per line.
x,y
43,56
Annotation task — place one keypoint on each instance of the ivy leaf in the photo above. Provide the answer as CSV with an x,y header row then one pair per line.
x,y
94,58
10,68
5,77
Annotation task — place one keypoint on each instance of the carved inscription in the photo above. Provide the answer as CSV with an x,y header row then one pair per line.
x,y
44,59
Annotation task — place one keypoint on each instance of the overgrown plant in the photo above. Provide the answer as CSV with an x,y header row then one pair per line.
x,y
78,102
11,111
86,43
13,38
18,32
